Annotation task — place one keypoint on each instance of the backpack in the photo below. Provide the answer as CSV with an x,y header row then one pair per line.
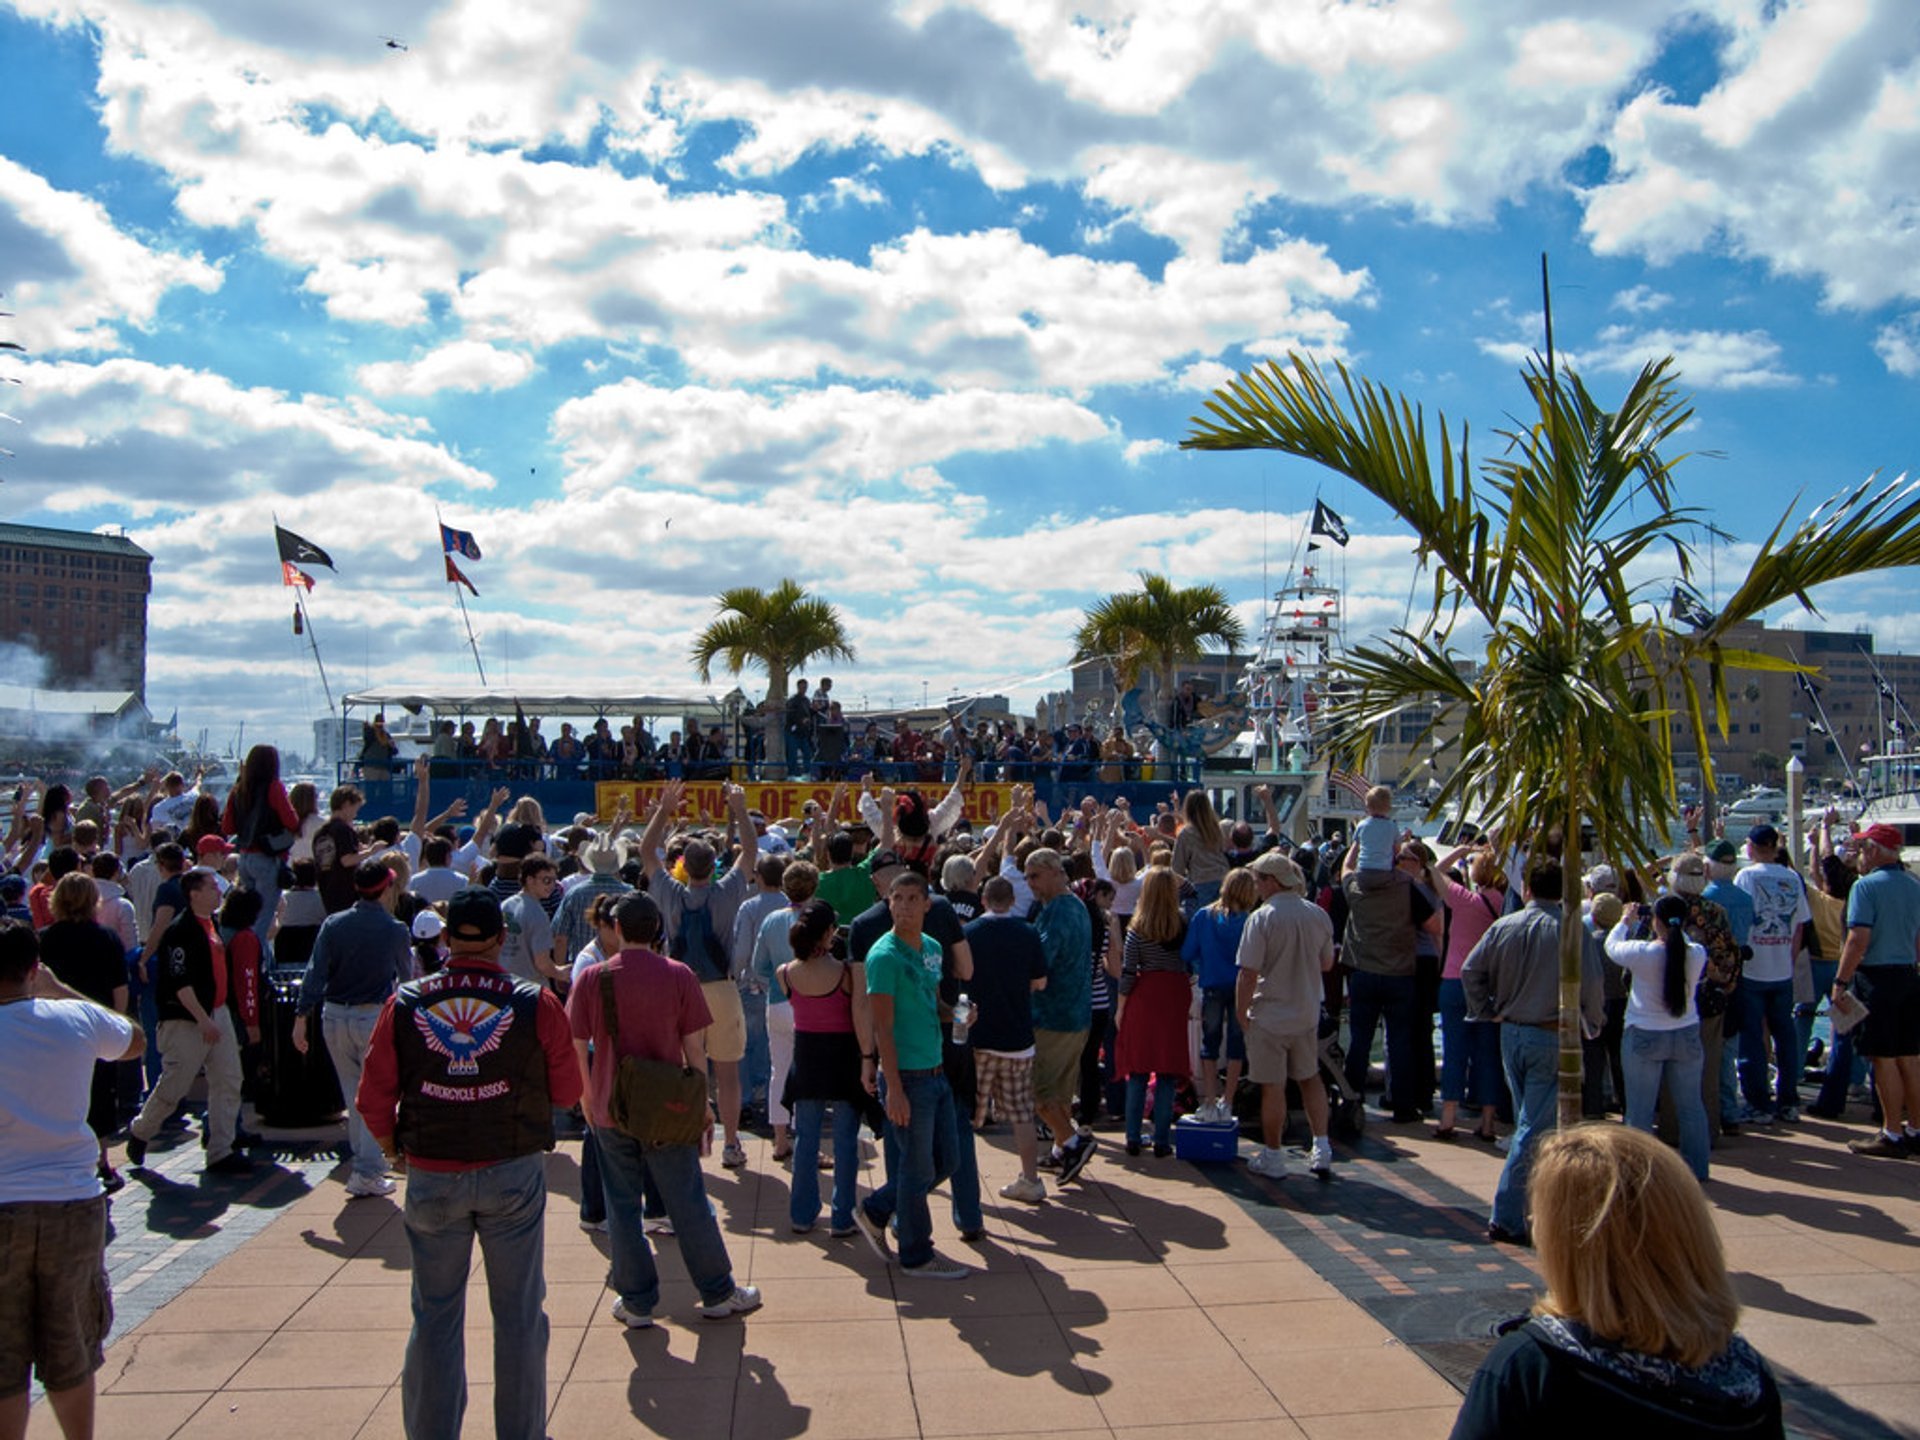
x,y
695,936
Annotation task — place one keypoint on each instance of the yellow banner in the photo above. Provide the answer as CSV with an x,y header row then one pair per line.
x,y
778,800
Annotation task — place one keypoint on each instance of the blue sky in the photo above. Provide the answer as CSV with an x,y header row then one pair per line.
x,y
909,301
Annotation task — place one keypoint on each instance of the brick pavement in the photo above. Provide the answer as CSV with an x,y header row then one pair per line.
x,y
1155,1296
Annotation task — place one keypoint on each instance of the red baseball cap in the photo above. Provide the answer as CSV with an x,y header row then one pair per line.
x,y
1887,837
212,845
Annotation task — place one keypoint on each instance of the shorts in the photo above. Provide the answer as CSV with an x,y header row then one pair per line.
x,y
55,1306
1056,1065
1892,1026
1216,1013
1274,1059
1007,1081
726,1037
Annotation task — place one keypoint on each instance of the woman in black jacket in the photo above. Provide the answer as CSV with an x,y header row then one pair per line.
x,y
1635,1335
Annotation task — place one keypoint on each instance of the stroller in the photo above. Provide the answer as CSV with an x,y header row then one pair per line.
x,y
1346,1109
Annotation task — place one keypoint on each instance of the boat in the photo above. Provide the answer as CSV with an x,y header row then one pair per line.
x,y
1889,786
1760,803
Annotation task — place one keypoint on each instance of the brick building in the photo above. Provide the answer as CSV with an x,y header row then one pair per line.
x,y
78,601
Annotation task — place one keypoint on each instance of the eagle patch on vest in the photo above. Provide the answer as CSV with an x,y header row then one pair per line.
x,y
463,1028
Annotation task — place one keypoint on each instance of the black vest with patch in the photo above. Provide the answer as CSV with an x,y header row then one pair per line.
x,y
473,1073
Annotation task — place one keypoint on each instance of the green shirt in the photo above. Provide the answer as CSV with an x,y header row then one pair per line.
x,y
849,889
912,978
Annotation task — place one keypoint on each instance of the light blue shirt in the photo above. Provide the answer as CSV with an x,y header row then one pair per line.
x,y
1888,901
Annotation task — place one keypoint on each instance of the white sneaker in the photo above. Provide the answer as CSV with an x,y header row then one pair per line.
x,y
744,1300
1270,1163
632,1319
658,1225
594,1227
359,1187
1321,1162
1027,1191
1218,1113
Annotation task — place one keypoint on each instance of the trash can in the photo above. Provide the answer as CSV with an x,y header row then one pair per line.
x,y
299,1091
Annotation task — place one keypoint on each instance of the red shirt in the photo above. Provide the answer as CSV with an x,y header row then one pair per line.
x,y
243,969
219,963
660,1004
276,801
378,1100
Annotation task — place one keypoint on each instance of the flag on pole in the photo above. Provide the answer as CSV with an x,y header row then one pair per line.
x,y
1346,780
1807,685
455,577
174,722
294,550
1326,523
292,574
1689,611
1887,691
459,542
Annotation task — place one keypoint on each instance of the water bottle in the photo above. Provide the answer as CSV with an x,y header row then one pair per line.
x,y
962,1018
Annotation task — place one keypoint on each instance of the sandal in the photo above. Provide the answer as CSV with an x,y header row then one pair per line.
x,y
1444,1132
780,1153
1487,1135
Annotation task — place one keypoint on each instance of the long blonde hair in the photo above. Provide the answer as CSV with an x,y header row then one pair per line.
x,y
1156,915
1627,1245
1198,811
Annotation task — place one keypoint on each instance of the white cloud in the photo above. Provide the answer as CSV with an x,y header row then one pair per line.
x,y
1801,157
1898,345
1641,300
1139,451
1706,359
700,438
463,365
73,277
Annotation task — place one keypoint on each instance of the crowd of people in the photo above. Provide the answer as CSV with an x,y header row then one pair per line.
x,y
650,983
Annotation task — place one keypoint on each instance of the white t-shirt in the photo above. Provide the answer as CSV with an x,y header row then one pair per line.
x,y
1646,961
47,1050
174,811
1779,910
437,885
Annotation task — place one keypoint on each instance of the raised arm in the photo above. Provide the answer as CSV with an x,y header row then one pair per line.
x,y
749,841
655,834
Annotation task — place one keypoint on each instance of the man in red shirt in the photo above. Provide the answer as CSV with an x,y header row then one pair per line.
x,y
462,1074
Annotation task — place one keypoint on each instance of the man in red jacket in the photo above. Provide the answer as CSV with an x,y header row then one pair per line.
x,y
462,1074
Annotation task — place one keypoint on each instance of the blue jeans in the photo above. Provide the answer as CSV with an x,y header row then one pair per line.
x,y
756,1067
1470,1052
1371,999
1668,1058
348,1029
261,874
1768,1005
1216,1015
1531,1057
1163,1094
504,1205
809,1118
927,1150
147,1002
799,754
625,1167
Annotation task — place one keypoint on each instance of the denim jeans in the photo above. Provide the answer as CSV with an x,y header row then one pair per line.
x,y
922,1155
1370,999
1768,1005
809,1118
261,874
1470,1052
799,754
593,1195
756,1066
1163,1096
147,1004
348,1029
1530,1056
504,1205
1669,1060
1219,1024
625,1167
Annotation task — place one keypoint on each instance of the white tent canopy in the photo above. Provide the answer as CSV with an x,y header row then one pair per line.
x,y
500,700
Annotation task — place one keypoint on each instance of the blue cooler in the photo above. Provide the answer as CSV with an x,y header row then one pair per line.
x,y
1206,1143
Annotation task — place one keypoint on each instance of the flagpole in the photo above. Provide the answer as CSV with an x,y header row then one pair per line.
x,y
440,525
1826,726
313,641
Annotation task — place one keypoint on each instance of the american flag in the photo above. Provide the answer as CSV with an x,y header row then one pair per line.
x,y
1354,785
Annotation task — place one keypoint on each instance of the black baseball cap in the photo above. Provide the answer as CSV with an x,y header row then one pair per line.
x,y
474,914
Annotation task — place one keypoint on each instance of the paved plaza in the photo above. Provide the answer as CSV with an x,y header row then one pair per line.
x,y
1152,1298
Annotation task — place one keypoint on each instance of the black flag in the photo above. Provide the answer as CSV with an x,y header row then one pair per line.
x,y
1807,685
1691,611
299,552
1326,523
1887,690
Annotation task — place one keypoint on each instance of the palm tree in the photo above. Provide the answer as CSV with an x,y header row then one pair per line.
x,y
1155,627
1567,716
779,630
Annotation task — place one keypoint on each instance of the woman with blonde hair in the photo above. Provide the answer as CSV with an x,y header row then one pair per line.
x,y
1635,1334
1200,849
1155,995
1212,950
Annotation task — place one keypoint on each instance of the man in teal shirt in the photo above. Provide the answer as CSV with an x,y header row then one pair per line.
x,y
903,979
1063,1011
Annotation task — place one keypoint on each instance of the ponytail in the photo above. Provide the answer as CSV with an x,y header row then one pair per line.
x,y
1672,911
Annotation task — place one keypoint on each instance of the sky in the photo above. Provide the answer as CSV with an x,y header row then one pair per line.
x,y
910,301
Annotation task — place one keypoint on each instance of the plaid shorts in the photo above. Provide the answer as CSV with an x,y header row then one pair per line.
x,y
1007,1082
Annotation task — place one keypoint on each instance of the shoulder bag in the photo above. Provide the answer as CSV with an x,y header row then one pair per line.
x,y
653,1101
